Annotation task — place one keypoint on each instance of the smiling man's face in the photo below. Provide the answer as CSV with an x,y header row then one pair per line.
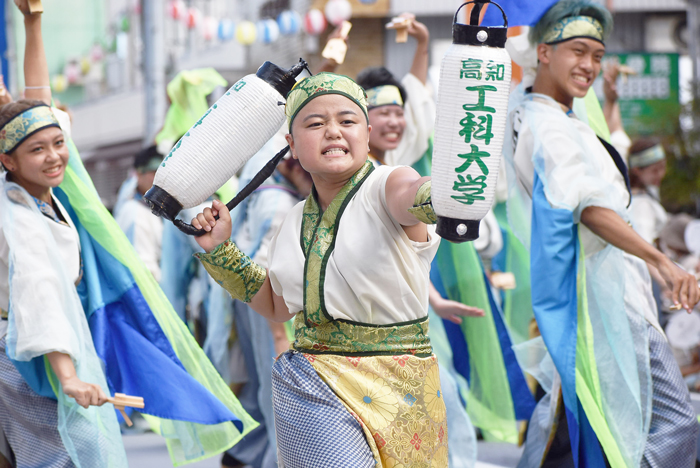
x,y
571,66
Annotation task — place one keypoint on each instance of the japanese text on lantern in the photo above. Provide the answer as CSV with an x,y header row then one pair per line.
x,y
476,130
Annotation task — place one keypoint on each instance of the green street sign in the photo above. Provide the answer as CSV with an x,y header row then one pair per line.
x,y
649,100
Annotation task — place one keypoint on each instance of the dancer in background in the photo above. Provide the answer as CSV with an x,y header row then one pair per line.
x,y
144,231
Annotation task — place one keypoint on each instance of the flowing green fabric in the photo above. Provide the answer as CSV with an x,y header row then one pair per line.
x,y
517,303
188,93
182,438
489,401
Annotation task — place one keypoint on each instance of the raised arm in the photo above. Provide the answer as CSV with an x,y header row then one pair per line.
x,y
609,226
416,29
232,269
36,69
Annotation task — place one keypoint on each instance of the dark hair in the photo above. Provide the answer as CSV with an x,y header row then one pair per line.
x,y
12,109
379,76
566,9
644,143
144,157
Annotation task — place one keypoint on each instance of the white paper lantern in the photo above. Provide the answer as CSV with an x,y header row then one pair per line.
x,y
314,22
472,108
222,141
289,22
268,31
338,11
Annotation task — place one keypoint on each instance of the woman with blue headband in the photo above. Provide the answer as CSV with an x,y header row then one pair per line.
x,y
360,386
617,397
82,317
647,163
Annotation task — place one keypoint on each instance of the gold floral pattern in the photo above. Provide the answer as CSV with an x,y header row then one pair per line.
x,y
401,427
433,395
372,398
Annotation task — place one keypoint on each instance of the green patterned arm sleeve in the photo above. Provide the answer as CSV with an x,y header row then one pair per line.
x,y
234,271
423,205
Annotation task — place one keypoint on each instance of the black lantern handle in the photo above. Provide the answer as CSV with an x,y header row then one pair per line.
x,y
259,178
476,11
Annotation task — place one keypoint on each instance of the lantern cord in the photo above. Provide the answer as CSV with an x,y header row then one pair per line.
x,y
259,178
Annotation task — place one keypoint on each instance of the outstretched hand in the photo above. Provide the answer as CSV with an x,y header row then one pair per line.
x,y
217,230
684,285
453,310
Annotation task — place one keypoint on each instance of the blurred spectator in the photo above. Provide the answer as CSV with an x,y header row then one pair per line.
x,y
647,167
144,231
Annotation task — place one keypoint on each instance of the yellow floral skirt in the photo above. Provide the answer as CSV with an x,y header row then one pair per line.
x,y
398,402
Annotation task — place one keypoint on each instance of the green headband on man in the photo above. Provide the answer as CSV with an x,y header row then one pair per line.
x,y
323,83
574,27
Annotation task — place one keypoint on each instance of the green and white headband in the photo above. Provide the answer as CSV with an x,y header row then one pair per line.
x,y
384,96
648,157
573,27
323,83
24,125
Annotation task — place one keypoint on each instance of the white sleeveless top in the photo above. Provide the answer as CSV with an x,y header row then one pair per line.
x,y
375,274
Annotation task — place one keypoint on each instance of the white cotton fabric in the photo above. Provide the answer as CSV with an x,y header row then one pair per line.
x,y
647,215
144,231
579,173
419,112
375,274
41,325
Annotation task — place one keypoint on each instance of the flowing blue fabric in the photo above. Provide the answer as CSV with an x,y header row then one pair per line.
x,y
554,268
138,357
519,13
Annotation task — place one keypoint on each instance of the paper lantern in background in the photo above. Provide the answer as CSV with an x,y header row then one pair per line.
x,y
246,32
289,22
472,107
84,65
225,30
72,72
222,141
96,52
338,11
314,22
177,9
268,31
209,28
193,18
59,83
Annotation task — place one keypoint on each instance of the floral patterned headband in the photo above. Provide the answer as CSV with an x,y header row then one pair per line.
x,y
24,125
573,27
323,83
383,96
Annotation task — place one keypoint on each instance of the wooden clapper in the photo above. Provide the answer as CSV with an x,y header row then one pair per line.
x,y
119,400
